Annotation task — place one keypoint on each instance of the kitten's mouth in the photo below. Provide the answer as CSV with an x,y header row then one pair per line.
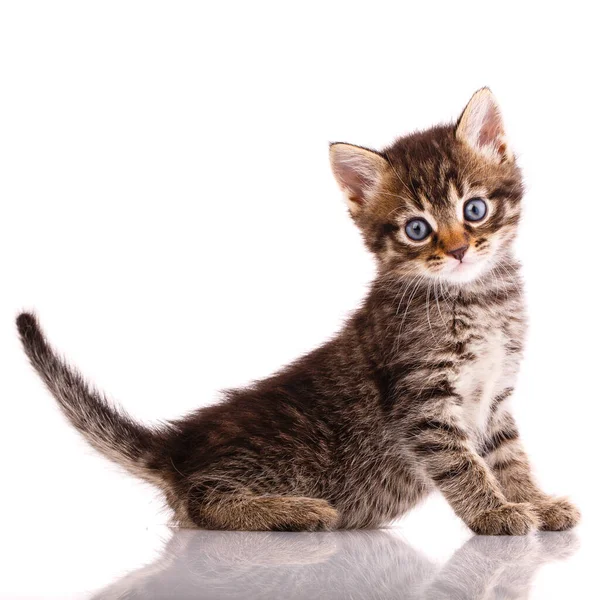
x,y
463,264
464,270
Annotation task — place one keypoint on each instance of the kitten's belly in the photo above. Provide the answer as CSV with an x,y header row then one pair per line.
x,y
482,379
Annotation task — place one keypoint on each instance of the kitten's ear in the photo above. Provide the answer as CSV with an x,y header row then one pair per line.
x,y
481,126
358,172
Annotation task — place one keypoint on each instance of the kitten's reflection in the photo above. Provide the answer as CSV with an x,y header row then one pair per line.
x,y
342,565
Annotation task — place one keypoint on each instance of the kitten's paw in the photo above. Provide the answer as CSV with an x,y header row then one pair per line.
x,y
319,515
508,519
307,514
556,514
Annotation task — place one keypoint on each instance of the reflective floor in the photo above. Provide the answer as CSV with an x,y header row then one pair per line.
x,y
341,565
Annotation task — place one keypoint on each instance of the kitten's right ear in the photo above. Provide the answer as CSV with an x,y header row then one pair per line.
x,y
358,171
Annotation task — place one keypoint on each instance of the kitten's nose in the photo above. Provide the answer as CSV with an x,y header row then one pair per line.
x,y
458,253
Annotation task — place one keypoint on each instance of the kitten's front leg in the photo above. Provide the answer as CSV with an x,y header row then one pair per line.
x,y
505,455
442,447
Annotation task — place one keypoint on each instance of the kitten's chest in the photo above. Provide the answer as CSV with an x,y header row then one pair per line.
x,y
480,379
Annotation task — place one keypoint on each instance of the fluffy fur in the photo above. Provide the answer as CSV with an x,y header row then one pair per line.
x,y
410,396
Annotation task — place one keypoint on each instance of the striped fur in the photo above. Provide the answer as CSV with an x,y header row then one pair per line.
x,y
410,396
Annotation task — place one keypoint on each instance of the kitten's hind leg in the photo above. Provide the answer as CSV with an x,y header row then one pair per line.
x,y
263,513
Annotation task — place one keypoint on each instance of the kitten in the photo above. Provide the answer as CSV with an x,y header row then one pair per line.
x,y
410,396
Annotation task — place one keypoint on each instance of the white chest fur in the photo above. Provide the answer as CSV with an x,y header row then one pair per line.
x,y
480,380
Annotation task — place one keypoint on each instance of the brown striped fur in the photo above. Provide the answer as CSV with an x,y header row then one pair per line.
x,y
411,395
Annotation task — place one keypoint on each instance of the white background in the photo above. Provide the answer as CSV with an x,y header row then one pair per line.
x,y
167,209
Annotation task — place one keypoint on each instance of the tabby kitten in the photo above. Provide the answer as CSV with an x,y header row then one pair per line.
x,y
410,396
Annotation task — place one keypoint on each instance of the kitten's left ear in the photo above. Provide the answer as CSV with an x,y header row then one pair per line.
x,y
481,127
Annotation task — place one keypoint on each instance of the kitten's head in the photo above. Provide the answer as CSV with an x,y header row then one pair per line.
x,y
442,203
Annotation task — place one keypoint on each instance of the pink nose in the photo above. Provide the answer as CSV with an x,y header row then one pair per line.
x,y
458,253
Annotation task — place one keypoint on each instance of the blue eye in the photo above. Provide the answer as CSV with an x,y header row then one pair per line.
x,y
475,209
417,229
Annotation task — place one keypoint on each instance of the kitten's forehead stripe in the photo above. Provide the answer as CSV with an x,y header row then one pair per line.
x,y
429,164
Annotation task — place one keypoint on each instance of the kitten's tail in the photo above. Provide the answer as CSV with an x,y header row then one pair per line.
x,y
110,431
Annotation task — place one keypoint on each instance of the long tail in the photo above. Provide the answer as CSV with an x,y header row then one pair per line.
x,y
110,431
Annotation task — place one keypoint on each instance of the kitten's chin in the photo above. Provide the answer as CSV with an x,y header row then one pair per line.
x,y
465,272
